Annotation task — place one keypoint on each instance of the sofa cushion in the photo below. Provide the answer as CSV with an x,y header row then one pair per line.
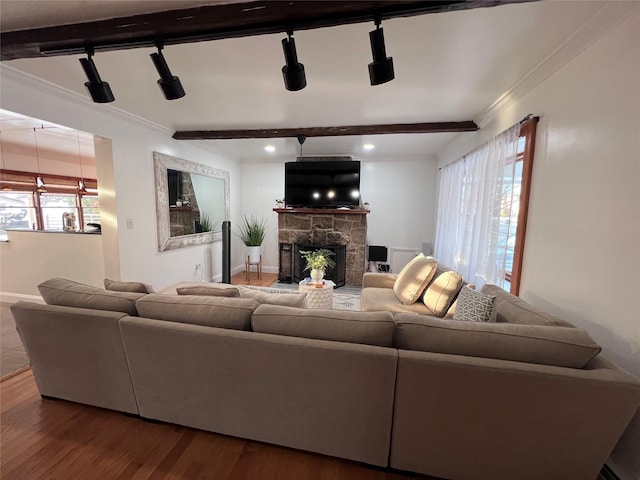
x,y
232,313
136,287
286,299
559,346
413,278
208,291
370,328
473,306
373,299
442,292
60,291
511,309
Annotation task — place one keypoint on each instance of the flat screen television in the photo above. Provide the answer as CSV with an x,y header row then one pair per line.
x,y
322,184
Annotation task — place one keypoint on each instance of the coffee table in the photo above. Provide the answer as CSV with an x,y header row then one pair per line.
x,y
318,296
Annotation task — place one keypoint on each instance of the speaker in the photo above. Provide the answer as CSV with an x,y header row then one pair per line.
x,y
226,252
377,254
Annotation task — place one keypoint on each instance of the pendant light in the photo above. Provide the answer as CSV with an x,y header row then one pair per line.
x,y
82,189
40,187
301,139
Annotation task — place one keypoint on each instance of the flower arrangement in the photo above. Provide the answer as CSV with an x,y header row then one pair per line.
x,y
318,259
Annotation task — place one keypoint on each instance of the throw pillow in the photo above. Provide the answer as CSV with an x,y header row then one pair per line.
x,y
414,278
135,287
474,306
452,309
293,299
442,292
209,291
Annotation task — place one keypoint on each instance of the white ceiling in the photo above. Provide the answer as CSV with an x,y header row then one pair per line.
x,y
449,67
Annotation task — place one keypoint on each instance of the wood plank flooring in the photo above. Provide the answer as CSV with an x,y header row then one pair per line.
x,y
46,439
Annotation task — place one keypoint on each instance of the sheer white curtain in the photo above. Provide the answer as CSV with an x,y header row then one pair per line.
x,y
474,217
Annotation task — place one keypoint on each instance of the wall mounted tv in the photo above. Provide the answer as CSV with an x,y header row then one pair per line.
x,y
322,184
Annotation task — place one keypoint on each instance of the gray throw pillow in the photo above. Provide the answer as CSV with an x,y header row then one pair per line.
x,y
474,306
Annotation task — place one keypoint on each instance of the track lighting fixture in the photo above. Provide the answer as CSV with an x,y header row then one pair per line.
x,y
100,91
170,84
381,69
293,71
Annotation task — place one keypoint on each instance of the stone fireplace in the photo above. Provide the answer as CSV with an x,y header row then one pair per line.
x,y
322,228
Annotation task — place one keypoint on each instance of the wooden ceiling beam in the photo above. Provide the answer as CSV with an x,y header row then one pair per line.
x,y
214,22
432,127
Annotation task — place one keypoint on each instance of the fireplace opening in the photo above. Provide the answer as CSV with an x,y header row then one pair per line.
x,y
337,274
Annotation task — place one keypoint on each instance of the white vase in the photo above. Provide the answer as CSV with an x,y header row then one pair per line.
x,y
254,254
317,275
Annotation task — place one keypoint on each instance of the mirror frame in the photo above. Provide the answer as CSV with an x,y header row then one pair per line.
x,y
162,163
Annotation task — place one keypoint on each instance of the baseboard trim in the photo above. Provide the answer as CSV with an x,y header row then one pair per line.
x,y
608,474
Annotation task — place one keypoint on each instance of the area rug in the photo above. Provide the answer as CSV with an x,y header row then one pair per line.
x,y
341,301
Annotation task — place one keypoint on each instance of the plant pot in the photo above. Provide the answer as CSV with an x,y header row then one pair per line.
x,y
254,254
317,275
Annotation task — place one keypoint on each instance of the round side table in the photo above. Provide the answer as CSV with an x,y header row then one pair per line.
x,y
317,297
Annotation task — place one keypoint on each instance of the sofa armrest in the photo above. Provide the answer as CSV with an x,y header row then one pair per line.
x,y
520,420
380,280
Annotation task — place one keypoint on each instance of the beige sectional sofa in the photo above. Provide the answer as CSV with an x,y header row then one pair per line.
x,y
459,400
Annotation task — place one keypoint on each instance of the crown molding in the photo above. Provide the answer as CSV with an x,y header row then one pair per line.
x,y
607,17
36,83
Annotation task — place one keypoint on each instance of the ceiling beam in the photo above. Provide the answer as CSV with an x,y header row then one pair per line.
x,y
214,22
395,128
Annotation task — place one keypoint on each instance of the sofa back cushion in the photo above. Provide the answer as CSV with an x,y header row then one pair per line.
x,y
369,328
511,309
135,287
221,312
442,292
285,299
414,278
209,291
60,291
545,345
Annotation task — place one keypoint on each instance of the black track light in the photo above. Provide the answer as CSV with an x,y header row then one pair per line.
x,y
170,84
293,71
100,91
381,69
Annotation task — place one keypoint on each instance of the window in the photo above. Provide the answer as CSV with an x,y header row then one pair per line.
x,y
482,208
23,207
520,205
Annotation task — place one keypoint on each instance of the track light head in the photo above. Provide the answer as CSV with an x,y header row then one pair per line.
x,y
381,69
170,84
293,72
100,91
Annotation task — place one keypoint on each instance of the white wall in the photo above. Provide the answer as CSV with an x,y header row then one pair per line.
x,y
132,183
582,257
29,258
402,195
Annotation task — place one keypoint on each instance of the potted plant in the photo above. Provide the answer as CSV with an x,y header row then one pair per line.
x,y
318,261
251,232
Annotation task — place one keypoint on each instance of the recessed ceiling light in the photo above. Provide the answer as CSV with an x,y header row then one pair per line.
x,y
368,146
270,148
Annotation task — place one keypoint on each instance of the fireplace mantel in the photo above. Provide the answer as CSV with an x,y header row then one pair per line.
x,y
322,211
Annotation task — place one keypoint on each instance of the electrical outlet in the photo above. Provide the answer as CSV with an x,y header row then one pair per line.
x,y
198,266
130,223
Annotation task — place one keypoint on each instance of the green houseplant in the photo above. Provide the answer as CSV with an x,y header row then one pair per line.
x,y
317,262
252,232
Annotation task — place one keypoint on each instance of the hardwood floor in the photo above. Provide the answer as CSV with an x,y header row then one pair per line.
x,y
267,279
46,439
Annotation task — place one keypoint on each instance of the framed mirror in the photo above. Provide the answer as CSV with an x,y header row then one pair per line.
x,y
192,201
